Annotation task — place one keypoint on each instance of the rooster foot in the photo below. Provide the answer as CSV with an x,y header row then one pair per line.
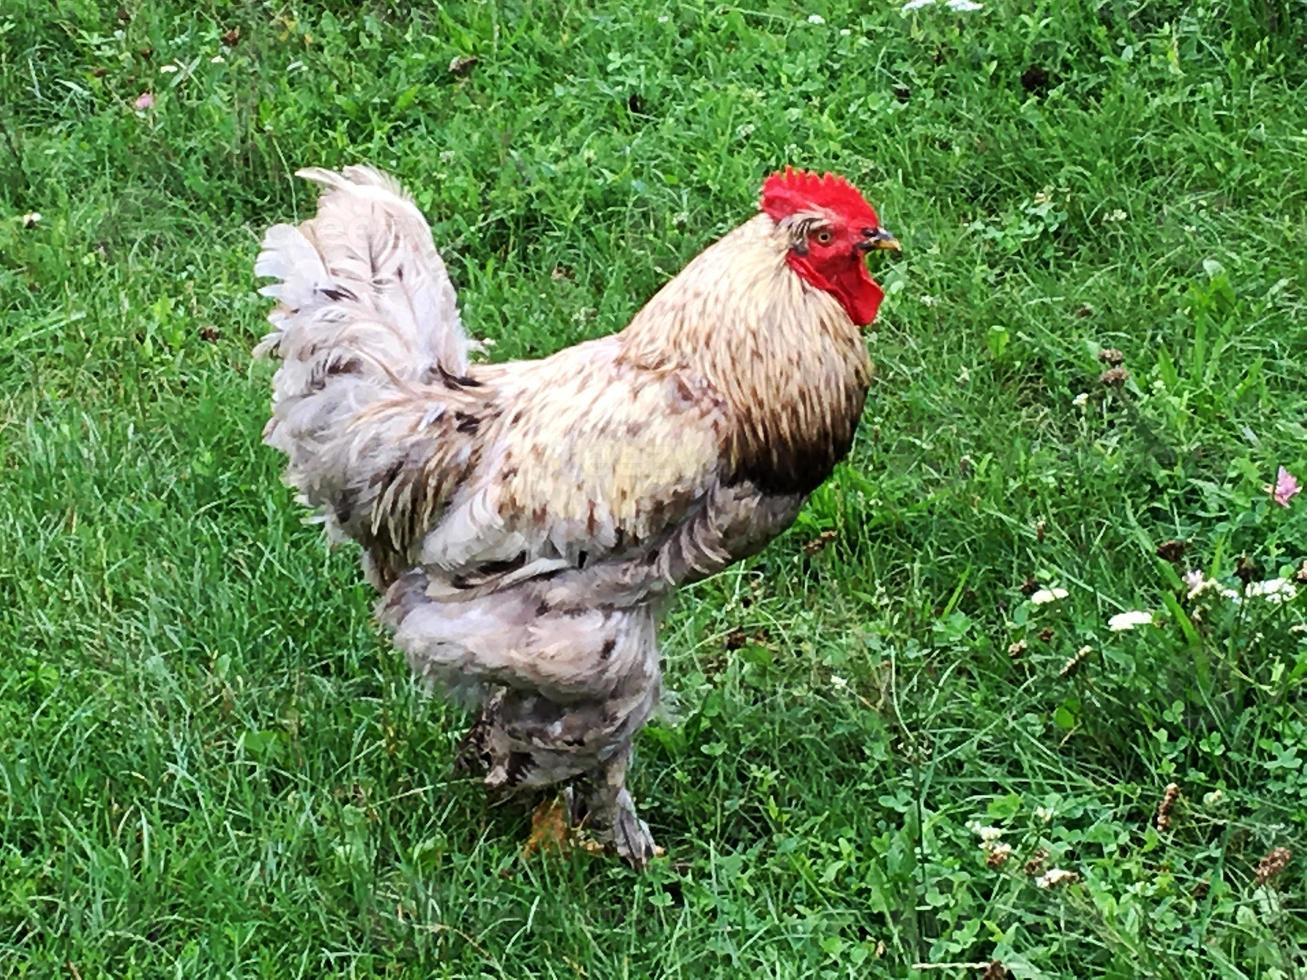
x,y
630,836
558,824
610,812
550,827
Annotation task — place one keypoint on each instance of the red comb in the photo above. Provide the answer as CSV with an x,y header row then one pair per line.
x,y
790,190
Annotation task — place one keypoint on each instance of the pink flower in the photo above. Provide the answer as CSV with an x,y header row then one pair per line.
x,y
1285,489
144,101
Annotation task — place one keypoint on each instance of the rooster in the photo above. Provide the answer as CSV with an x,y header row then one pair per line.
x,y
524,522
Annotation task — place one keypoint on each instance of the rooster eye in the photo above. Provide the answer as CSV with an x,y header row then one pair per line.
x,y
824,237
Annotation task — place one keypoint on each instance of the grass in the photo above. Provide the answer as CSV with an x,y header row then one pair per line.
x,y
210,762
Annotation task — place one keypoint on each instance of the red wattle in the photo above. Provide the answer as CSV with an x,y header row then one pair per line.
x,y
863,302
857,292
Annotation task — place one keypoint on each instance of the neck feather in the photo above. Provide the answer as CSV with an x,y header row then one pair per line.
x,y
784,356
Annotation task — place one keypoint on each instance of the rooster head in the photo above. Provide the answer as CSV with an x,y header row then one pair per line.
x,y
829,228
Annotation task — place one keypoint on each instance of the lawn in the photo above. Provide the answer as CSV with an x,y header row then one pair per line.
x,y
882,746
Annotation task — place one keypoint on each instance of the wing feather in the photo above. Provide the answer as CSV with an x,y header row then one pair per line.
x,y
593,457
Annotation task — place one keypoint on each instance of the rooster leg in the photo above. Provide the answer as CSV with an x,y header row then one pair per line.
x,y
612,815
532,742
473,753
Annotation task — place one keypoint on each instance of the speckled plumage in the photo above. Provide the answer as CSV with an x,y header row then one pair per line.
x,y
524,521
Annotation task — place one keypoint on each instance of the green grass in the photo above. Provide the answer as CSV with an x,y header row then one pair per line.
x,y
212,764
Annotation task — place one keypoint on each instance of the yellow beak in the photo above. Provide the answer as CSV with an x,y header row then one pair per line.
x,y
878,240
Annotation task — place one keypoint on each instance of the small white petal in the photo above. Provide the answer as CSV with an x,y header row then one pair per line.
x,y
816,19
1129,620
1081,400
1199,583
912,5
987,835
1044,814
964,6
1054,877
1274,590
1044,596
168,69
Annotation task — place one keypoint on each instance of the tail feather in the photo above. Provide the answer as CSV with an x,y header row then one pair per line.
x,y
366,317
289,258
367,245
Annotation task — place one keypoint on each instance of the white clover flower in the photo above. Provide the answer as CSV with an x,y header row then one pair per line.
x,y
1054,877
816,19
1116,216
964,6
998,852
217,59
838,682
1044,814
1081,400
167,69
987,835
1043,597
1274,590
1129,620
912,5
1198,583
